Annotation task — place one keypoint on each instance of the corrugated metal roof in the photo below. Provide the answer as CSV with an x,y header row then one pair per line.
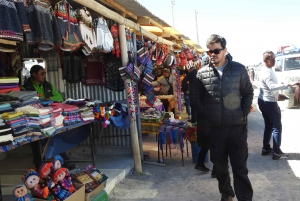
x,y
139,10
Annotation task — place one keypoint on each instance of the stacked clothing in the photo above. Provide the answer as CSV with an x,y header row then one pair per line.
x,y
8,84
23,95
70,113
16,121
6,107
39,119
86,114
6,137
58,117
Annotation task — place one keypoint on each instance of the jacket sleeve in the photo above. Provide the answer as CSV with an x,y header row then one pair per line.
x,y
246,91
271,85
199,95
56,95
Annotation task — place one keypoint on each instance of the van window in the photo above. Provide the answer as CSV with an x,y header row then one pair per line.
x,y
278,65
292,63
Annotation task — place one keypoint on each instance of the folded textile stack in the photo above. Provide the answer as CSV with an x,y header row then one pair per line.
x,y
6,107
86,114
6,137
23,95
38,119
16,121
8,84
58,117
70,113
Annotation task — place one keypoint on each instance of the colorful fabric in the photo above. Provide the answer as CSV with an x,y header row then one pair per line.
x,y
43,24
68,26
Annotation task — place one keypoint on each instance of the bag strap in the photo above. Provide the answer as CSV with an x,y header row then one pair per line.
x,y
168,81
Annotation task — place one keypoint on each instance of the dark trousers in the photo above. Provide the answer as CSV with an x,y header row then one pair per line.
x,y
231,141
272,116
193,111
201,156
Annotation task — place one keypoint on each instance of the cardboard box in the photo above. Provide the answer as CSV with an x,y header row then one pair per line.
x,y
77,196
90,196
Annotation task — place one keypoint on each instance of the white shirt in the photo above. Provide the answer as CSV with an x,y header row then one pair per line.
x,y
269,87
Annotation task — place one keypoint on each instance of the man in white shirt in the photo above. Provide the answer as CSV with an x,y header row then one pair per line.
x,y
267,102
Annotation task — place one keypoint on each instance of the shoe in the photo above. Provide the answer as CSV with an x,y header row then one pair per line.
x,y
190,117
281,155
213,174
266,152
226,197
202,168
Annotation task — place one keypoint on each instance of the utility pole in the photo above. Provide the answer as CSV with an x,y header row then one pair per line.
x,y
172,4
197,27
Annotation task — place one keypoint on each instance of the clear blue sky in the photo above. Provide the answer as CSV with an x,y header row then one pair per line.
x,y
249,26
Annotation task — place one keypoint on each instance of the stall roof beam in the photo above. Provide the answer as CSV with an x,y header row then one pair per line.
x,y
97,7
149,21
118,7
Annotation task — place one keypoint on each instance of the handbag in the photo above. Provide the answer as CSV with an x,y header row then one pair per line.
x,y
169,59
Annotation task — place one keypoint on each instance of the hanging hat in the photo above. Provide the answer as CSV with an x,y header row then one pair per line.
x,y
29,173
43,169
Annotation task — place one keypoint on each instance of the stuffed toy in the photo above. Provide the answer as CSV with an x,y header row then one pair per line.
x,y
57,163
61,184
20,193
32,181
44,172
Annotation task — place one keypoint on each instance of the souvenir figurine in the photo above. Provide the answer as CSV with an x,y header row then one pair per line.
x,y
61,184
20,193
44,172
57,163
32,181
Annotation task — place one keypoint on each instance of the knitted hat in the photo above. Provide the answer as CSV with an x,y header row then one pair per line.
x,y
16,188
29,173
57,172
44,168
57,157
166,70
205,61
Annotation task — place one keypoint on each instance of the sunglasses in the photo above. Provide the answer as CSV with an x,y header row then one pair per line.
x,y
215,51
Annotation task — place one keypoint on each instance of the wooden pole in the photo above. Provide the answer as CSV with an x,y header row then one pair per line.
x,y
132,117
175,92
97,7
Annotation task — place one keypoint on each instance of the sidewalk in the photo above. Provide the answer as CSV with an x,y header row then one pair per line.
x,y
272,180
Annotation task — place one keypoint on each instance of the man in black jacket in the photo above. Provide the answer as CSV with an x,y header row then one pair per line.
x,y
224,93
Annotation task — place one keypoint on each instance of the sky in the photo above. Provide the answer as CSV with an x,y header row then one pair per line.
x,y
250,27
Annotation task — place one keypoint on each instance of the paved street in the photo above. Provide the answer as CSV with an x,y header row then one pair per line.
x,y
271,180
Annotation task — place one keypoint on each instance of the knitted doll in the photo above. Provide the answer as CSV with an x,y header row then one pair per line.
x,y
44,172
61,184
20,193
31,179
57,162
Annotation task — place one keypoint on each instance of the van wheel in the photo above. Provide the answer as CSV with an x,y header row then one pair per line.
x,y
290,102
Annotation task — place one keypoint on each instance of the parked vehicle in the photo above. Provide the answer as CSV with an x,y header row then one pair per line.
x,y
287,69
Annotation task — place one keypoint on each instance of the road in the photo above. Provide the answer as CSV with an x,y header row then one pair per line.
x,y
271,180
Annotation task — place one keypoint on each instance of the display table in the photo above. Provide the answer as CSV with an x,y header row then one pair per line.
x,y
63,139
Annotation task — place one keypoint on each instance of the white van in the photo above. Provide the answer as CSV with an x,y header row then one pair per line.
x,y
287,69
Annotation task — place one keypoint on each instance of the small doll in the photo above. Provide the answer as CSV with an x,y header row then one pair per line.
x,y
57,163
44,172
32,181
61,184
20,193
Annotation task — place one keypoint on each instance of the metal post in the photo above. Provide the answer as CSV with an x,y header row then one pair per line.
x,y
172,4
197,27
132,118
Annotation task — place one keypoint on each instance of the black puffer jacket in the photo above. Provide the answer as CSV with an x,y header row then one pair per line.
x,y
223,102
